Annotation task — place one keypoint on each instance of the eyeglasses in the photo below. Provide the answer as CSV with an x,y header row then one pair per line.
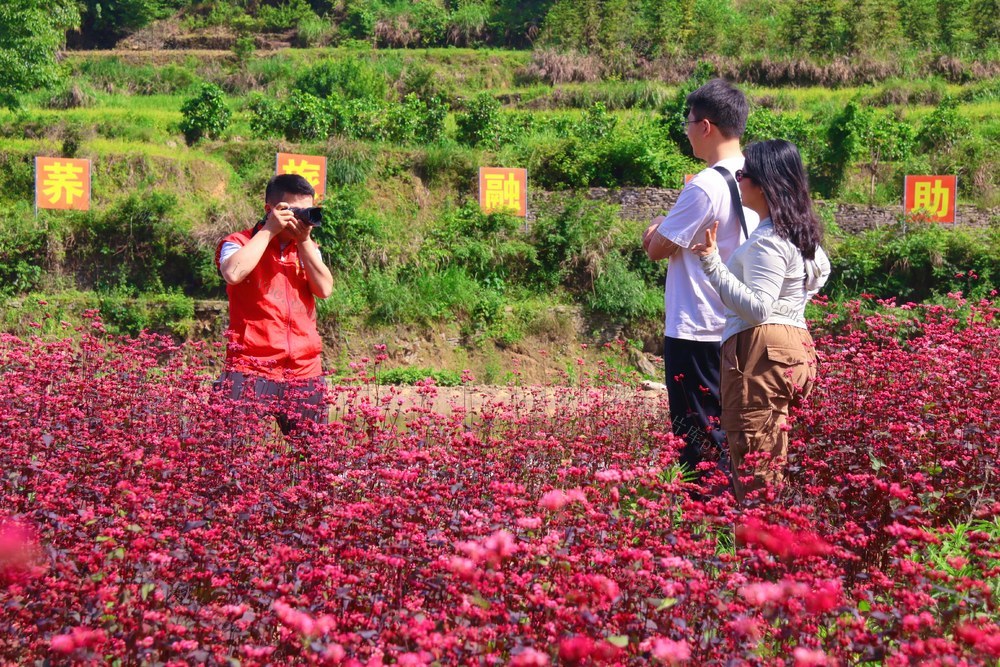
x,y
743,173
686,122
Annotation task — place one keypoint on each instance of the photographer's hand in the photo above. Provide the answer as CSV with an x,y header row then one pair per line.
x,y
299,231
239,265
279,219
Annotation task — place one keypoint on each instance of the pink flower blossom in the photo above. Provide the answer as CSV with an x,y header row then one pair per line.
x,y
530,657
670,652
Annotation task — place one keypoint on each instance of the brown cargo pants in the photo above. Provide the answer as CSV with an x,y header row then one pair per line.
x,y
766,371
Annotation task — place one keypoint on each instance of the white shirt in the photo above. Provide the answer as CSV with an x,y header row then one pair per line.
x,y
766,281
693,310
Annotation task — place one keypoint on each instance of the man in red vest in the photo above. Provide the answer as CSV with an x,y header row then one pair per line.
x,y
274,272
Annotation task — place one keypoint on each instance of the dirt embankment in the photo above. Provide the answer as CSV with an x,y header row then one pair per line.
x,y
566,346
397,404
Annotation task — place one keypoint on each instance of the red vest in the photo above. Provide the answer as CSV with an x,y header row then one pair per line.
x,y
272,316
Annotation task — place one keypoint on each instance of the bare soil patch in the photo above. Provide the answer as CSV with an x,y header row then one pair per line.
x,y
396,402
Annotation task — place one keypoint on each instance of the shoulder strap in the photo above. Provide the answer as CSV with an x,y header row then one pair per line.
x,y
734,194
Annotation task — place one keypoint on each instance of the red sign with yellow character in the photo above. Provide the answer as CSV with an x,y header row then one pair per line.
x,y
62,183
310,167
502,189
930,198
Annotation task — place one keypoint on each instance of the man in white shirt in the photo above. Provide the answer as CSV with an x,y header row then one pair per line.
x,y
695,316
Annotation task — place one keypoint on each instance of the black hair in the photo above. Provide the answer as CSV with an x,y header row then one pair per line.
x,y
776,167
287,184
723,104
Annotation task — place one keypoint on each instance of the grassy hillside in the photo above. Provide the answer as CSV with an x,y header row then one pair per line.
x,y
405,133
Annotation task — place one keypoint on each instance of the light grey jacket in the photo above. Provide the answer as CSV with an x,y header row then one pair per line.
x,y
766,281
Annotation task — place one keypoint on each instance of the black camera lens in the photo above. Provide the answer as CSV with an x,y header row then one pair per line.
x,y
312,216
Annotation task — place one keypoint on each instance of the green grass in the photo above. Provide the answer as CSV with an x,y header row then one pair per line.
x,y
395,194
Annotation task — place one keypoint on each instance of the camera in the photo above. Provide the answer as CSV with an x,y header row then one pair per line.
x,y
312,216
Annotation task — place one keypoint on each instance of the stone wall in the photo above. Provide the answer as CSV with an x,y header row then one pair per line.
x,y
642,204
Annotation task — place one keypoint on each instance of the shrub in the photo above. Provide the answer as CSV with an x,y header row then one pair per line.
x,y
312,31
22,256
140,245
622,294
309,118
800,129
638,159
674,111
468,24
73,95
569,239
431,21
268,116
349,163
915,262
205,115
359,19
482,123
169,312
414,374
244,48
288,14
423,81
486,246
447,162
595,154
351,78
349,238
559,164
416,121
419,295
597,123
366,118
943,128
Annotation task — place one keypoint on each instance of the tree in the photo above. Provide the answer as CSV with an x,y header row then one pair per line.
x,y
817,27
867,18
863,135
31,31
519,21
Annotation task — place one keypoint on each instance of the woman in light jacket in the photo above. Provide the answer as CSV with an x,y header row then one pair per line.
x,y
768,356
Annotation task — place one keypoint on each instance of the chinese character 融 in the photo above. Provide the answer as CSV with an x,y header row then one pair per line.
x,y
502,191
931,197
304,168
63,181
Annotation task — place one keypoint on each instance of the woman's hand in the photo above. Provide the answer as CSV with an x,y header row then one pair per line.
x,y
708,247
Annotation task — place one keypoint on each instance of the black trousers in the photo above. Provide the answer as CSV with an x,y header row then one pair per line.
x,y
693,380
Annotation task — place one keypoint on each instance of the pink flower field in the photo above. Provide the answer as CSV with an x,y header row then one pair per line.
x,y
143,521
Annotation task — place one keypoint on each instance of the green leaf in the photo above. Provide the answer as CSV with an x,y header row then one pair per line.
x,y
146,590
621,641
480,601
666,604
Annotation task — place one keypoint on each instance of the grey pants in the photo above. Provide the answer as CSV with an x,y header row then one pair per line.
x,y
290,403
